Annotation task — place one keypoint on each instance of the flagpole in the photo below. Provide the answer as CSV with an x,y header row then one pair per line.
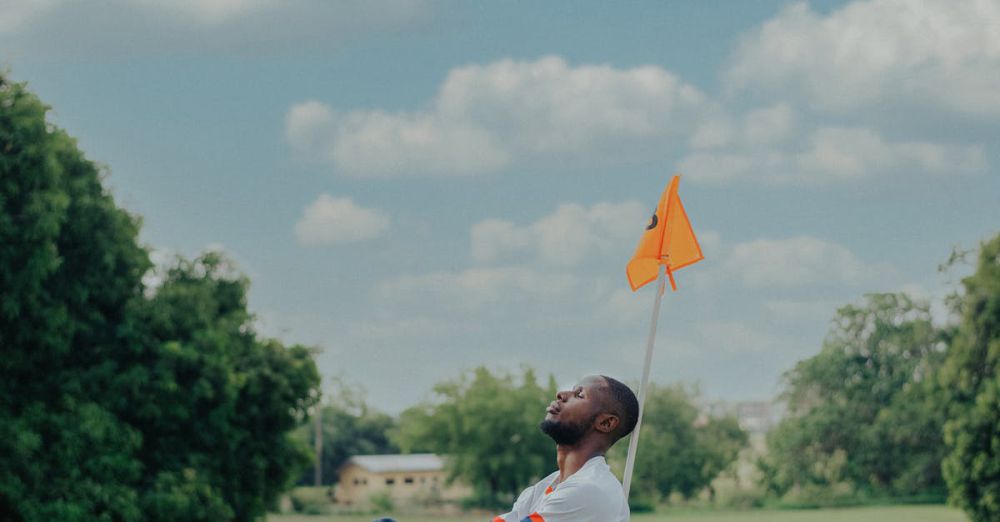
x,y
633,442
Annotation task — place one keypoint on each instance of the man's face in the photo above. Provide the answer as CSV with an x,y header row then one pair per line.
x,y
571,416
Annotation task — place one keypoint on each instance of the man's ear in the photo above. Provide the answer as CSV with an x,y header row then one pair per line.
x,y
606,422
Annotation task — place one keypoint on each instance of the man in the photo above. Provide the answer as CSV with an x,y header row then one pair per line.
x,y
584,423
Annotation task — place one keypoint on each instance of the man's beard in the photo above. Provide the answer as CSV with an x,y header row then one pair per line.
x,y
564,433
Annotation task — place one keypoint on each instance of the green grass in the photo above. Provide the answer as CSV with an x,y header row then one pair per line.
x,y
864,514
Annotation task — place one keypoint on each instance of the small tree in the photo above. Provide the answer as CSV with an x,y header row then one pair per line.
x,y
864,412
215,403
971,377
676,453
487,425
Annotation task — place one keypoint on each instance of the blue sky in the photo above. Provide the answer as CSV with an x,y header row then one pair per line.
x,y
419,188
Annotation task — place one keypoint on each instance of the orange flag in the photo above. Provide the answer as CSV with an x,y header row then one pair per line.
x,y
669,240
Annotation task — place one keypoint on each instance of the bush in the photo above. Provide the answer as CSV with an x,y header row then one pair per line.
x,y
741,499
310,500
382,502
316,509
813,496
641,503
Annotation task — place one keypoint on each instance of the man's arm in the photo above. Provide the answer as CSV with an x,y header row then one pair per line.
x,y
521,507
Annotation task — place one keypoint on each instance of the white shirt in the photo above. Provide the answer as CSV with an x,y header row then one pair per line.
x,y
592,494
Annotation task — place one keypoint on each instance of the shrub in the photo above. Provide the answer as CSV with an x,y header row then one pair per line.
x,y
382,502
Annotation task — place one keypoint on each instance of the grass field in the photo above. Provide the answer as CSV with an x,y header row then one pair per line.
x,y
866,514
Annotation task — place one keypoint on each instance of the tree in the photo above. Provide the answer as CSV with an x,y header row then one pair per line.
x,y
720,440
349,427
679,452
215,404
69,266
864,413
121,402
971,377
487,425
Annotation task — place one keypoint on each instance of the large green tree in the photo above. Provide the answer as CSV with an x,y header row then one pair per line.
x,y
864,414
971,377
69,267
121,402
488,427
679,451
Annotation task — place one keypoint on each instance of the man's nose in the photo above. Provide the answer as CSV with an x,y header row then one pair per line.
x,y
561,396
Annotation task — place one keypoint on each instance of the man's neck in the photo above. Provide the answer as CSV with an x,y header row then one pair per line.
x,y
571,458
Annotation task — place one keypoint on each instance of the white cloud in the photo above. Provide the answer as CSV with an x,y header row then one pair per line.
x,y
769,147
207,11
624,307
494,238
626,357
17,14
877,51
853,152
476,287
129,27
403,327
735,337
23,12
381,144
768,125
565,237
306,124
798,311
761,126
710,242
330,220
712,133
485,117
798,261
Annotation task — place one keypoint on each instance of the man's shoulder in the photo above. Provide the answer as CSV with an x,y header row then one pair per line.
x,y
588,486
600,491
599,484
598,471
547,480
595,499
541,485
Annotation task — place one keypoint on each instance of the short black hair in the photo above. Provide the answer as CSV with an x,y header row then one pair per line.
x,y
624,405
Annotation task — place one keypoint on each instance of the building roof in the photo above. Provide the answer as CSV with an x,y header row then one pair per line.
x,y
401,463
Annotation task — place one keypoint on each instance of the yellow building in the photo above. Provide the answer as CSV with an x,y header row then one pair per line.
x,y
406,479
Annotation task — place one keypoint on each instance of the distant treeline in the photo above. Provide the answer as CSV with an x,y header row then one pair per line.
x,y
896,405
487,423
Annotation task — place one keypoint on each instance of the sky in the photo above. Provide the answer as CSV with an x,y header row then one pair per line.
x,y
418,188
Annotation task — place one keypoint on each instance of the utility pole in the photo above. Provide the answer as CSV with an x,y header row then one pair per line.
x,y
318,447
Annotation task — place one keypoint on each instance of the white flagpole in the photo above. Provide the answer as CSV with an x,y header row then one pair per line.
x,y
633,442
